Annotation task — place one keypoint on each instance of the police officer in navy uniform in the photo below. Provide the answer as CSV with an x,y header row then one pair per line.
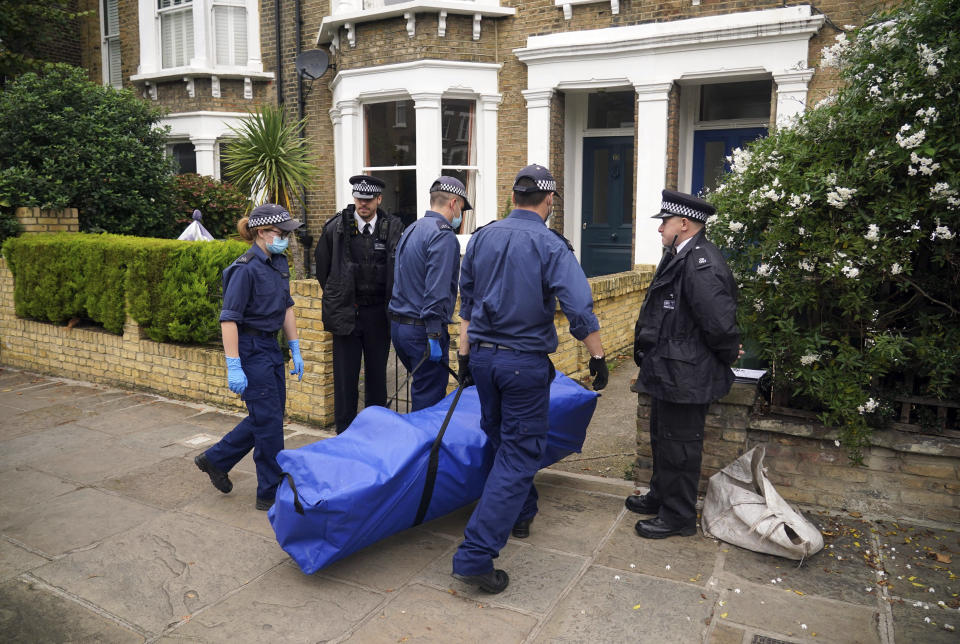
x,y
425,291
513,273
257,304
685,340
354,262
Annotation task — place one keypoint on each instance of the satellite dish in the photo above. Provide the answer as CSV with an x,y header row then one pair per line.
x,y
312,63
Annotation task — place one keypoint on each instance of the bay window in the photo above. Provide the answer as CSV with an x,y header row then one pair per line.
x,y
176,32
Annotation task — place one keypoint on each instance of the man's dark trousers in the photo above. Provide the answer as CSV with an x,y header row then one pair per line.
x,y
514,391
370,341
676,442
429,383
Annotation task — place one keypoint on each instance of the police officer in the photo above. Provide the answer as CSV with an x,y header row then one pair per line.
x,y
257,304
685,340
354,260
513,273
425,291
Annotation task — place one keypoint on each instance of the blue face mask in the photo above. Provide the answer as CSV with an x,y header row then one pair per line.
x,y
456,221
278,246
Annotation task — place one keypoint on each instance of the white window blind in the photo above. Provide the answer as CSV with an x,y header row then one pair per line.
x,y
111,38
176,32
230,33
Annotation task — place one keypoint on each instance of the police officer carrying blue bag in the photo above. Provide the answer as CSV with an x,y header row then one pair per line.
x,y
257,304
513,273
354,261
425,291
685,340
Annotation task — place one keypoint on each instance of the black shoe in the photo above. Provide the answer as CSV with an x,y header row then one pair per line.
x,y
218,477
657,528
642,504
494,582
264,504
521,529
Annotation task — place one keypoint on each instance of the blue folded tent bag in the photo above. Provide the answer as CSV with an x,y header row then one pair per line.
x,y
342,494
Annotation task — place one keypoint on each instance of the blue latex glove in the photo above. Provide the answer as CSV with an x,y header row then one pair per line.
x,y
297,359
436,352
235,376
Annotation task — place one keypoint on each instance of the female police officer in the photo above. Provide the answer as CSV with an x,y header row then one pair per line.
x,y
256,304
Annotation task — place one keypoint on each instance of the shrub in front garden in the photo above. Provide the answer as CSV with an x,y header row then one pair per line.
x,y
221,204
841,229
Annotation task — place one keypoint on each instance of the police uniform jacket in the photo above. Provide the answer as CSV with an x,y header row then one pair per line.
x,y
513,273
686,336
256,290
425,276
338,270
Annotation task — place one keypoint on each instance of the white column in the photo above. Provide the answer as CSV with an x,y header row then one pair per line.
x,y
348,149
337,119
487,203
652,107
538,125
205,158
791,94
429,159
202,16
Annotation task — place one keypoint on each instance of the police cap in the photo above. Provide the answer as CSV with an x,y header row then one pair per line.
x,y
365,186
454,186
540,176
270,214
680,204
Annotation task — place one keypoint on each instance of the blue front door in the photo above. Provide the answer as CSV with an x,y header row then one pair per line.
x,y
607,208
710,151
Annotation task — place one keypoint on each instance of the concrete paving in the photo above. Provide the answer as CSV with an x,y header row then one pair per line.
x,y
110,534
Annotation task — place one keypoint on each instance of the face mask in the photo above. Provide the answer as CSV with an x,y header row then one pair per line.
x,y
278,246
457,220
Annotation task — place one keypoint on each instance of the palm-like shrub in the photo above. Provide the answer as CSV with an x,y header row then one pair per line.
x,y
842,228
268,159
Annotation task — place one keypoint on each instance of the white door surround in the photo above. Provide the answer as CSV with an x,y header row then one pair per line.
x,y
652,57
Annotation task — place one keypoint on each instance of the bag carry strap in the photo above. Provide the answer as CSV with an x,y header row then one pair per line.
x,y
403,384
293,486
435,455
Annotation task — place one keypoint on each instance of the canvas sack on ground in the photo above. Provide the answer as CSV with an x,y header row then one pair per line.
x,y
743,508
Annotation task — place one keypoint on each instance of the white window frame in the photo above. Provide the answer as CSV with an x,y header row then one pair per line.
x,y
203,62
109,41
427,82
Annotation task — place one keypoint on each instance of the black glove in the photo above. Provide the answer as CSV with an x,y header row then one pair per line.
x,y
463,375
598,369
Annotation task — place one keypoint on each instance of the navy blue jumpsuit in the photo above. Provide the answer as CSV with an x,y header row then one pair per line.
x,y
424,294
513,273
256,295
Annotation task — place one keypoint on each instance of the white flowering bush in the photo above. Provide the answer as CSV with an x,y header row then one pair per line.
x,y
841,229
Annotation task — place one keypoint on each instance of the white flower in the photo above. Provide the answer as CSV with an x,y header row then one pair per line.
x,y
941,232
873,233
806,265
764,270
836,444
739,160
839,196
868,406
896,269
850,271
758,305
874,90
872,153
735,226
911,141
801,231
809,359
932,70
929,115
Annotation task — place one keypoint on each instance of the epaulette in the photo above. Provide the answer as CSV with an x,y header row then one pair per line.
x,y
444,225
700,259
565,240
246,257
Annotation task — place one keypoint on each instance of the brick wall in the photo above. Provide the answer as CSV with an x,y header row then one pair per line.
x,y
36,220
132,361
904,475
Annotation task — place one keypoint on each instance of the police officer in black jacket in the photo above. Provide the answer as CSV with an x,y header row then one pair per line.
x,y
354,258
685,340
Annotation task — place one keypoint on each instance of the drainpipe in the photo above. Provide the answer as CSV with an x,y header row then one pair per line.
x,y
306,239
279,42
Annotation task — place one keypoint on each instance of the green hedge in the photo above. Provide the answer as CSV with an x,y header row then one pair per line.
x,y
171,288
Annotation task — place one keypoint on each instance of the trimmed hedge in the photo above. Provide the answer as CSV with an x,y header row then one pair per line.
x,y
171,288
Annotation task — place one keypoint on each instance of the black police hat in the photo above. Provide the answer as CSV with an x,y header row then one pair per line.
x,y
365,186
540,176
680,204
454,186
270,214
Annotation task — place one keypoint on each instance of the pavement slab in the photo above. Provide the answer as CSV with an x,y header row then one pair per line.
x,y
24,487
74,520
30,613
281,606
15,560
36,446
48,393
93,461
800,617
134,419
421,614
163,570
571,520
918,559
925,623
237,509
611,606
168,484
24,422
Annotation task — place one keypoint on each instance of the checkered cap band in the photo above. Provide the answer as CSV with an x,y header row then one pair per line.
x,y
682,210
279,216
367,188
546,185
449,187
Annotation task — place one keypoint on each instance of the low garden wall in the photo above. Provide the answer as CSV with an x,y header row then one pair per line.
x,y
905,475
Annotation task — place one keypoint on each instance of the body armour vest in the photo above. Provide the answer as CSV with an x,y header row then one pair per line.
x,y
368,254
